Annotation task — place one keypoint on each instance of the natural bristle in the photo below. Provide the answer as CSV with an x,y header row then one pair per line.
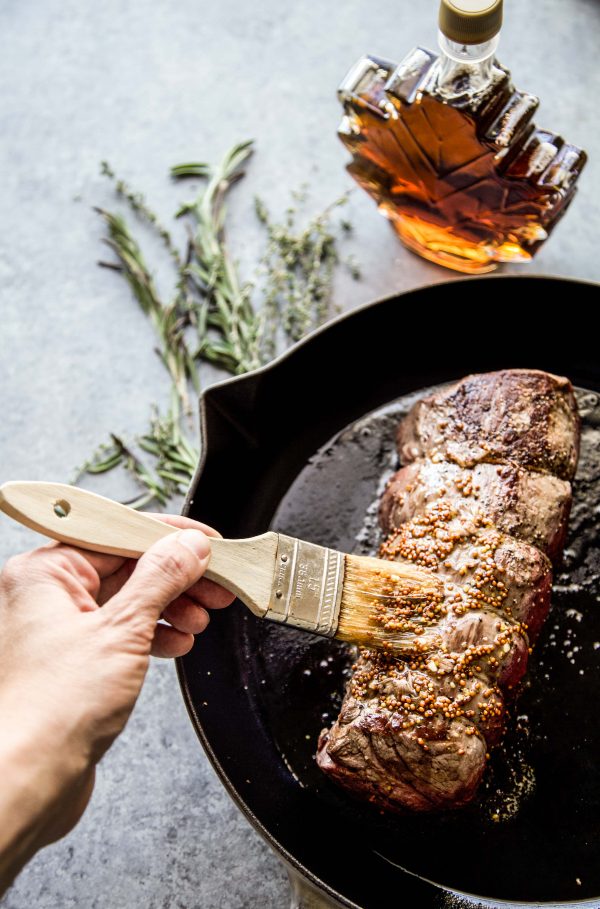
x,y
391,606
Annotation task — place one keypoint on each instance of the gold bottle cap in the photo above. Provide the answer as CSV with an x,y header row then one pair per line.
x,y
470,21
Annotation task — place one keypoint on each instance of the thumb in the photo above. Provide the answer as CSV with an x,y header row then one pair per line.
x,y
162,574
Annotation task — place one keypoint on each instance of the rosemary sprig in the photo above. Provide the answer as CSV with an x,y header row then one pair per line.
x,y
174,456
168,320
212,317
137,204
229,330
116,453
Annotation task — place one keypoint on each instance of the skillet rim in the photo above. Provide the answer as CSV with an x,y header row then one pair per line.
x,y
213,392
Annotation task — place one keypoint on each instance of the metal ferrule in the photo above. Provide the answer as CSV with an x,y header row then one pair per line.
x,y
307,591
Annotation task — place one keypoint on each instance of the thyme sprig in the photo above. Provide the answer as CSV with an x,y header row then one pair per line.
x,y
213,315
299,266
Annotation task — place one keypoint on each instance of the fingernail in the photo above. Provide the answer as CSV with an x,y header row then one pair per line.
x,y
195,541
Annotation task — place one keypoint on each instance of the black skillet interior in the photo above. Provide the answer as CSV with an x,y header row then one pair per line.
x,y
258,694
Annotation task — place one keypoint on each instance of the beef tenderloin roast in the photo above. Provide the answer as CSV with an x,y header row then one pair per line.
x,y
482,500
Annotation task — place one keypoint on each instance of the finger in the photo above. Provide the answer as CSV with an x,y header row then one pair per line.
x,y
186,615
210,594
106,566
56,564
103,564
169,643
204,592
162,574
178,520
113,583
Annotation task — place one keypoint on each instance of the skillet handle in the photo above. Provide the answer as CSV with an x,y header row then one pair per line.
x,y
305,895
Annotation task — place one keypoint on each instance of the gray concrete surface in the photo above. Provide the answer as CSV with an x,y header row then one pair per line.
x,y
147,83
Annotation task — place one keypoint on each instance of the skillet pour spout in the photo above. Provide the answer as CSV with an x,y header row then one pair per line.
x,y
300,446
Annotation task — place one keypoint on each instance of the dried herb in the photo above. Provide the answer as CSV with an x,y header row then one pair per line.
x,y
213,315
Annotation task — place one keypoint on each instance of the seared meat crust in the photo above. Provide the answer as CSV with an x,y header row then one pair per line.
x,y
519,416
533,507
484,503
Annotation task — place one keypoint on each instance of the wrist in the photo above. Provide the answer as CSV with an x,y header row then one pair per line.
x,y
38,764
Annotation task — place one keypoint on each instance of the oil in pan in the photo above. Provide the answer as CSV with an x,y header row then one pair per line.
x,y
533,833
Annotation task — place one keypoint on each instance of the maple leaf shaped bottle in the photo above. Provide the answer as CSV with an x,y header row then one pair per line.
x,y
446,146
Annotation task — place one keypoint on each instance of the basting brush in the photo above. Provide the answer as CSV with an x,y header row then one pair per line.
x,y
359,599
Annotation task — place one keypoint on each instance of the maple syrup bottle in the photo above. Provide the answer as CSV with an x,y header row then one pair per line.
x,y
447,148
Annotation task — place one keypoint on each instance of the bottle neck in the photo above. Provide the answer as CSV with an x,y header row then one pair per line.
x,y
464,70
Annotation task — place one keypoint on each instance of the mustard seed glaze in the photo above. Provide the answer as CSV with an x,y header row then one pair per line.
x,y
539,802
449,702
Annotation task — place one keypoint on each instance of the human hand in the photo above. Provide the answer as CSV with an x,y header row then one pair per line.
x,y
70,671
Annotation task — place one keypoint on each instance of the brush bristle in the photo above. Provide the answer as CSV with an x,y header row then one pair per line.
x,y
391,606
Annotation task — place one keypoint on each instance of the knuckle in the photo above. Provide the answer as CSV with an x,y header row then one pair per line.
x,y
53,565
171,565
58,561
86,574
14,570
49,563
129,627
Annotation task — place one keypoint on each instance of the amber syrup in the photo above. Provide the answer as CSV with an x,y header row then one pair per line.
x,y
465,177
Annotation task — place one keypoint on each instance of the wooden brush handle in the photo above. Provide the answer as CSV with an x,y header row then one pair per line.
x,y
81,518
90,521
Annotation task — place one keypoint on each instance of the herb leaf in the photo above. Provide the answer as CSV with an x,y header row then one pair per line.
x,y
213,315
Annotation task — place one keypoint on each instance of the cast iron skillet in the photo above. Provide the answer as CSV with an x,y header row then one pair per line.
x,y
255,692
